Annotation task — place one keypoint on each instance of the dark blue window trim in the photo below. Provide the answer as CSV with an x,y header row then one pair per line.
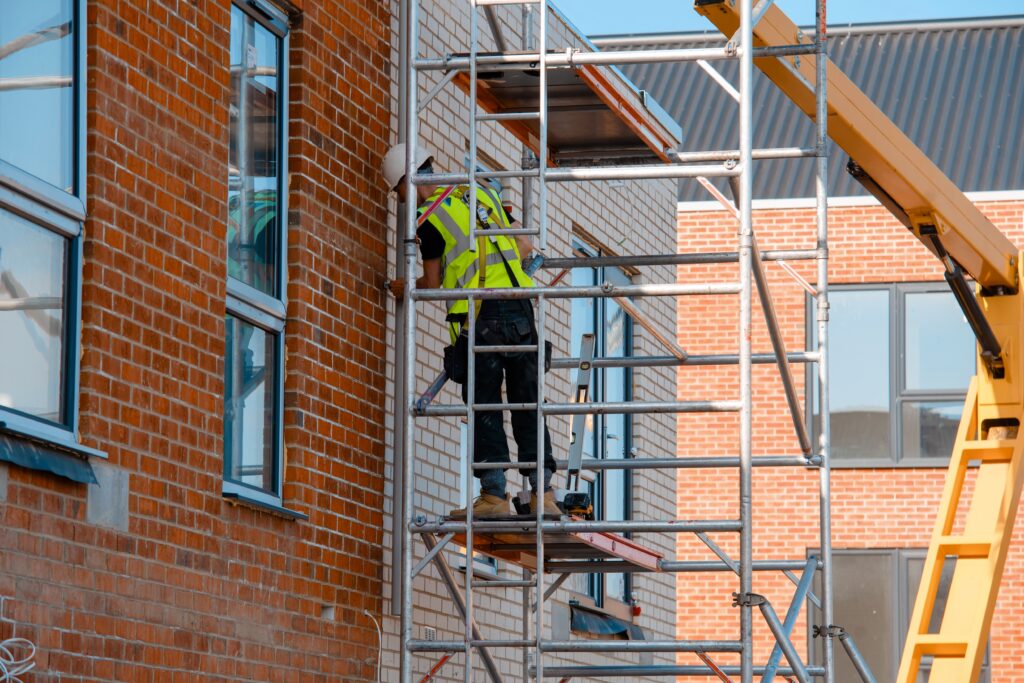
x,y
68,462
241,499
50,446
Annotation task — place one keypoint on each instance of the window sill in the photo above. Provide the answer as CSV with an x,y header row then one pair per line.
x,y
46,449
481,570
612,607
938,464
238,498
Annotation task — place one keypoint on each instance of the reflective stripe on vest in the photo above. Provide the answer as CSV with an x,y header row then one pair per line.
x,y
460,262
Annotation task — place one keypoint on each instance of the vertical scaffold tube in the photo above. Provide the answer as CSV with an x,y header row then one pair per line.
x,y
467,474
398,451
542,152
541,320
409,253
529,43
745,255
821,195
541,323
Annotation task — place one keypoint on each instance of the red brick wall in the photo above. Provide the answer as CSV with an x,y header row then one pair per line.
x,y
872,508
196,588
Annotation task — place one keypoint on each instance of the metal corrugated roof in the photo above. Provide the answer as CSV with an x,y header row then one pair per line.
x,y
956,88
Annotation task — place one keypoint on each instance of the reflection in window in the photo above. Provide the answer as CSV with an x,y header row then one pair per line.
x,y
875,591
37,63
607,436
929,428
254,377
939,352
896,388
254,166
859,374
32,271
249,406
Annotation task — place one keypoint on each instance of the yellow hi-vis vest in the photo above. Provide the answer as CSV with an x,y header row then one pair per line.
x,y
459,262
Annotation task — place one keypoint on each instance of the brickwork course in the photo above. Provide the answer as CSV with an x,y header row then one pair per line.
x,y
178,583
194,588
881,507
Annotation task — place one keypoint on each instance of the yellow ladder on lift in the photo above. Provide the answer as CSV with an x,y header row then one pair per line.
x,y
958,649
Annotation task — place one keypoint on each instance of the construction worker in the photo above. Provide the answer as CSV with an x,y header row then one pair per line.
x,y
449,262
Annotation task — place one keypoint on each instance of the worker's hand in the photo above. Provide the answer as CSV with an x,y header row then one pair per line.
x,y
397,287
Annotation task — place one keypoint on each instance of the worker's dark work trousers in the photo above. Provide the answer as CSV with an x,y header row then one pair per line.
x,y
499,323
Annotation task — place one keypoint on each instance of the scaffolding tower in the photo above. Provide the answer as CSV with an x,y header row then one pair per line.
x,y
550,550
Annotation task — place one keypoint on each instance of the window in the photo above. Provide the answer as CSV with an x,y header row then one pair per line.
x,y
874,596
607,436
42,207
255,319
901,358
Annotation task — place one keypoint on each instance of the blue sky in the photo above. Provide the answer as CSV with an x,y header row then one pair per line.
x,y
599,17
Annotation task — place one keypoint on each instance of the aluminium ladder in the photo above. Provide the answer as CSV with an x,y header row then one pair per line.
x,y
487,534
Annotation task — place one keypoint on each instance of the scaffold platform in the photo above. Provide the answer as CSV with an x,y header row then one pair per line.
x,y
563,549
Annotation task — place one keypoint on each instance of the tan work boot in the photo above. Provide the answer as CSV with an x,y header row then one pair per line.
x,y
485,505
550,506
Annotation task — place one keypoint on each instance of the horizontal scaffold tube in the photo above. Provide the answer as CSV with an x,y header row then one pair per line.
x,y
597,291
634,525
673,259
659,670
559,174
664,361
682,566
664,463
727,154
641,646
619,408
575,57
584,645
670,566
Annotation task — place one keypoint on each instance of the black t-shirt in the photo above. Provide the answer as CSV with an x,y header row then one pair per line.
x,y
431,242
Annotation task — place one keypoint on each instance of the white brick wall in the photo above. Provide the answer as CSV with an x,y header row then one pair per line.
x,y
638,218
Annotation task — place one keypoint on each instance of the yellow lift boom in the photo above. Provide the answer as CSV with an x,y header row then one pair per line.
x,y
948,223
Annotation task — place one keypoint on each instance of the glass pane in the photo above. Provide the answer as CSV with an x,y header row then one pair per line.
x,y
617,344
37,103
859,374
940,349
929,429
249,406
32,271
865,605
584,321
254,166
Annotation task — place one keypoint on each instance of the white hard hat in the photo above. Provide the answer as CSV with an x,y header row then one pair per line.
x,y
394,163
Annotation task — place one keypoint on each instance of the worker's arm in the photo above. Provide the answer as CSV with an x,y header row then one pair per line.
x,y
431,278
523,242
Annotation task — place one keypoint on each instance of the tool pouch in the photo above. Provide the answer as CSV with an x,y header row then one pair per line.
x,y
456,359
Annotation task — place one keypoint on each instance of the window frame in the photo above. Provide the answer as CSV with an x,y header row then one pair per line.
x,y
249,304
898,393
898,560
63,213
597,585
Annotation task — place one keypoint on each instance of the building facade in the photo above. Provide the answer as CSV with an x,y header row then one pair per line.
x,y
196,415
192,337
